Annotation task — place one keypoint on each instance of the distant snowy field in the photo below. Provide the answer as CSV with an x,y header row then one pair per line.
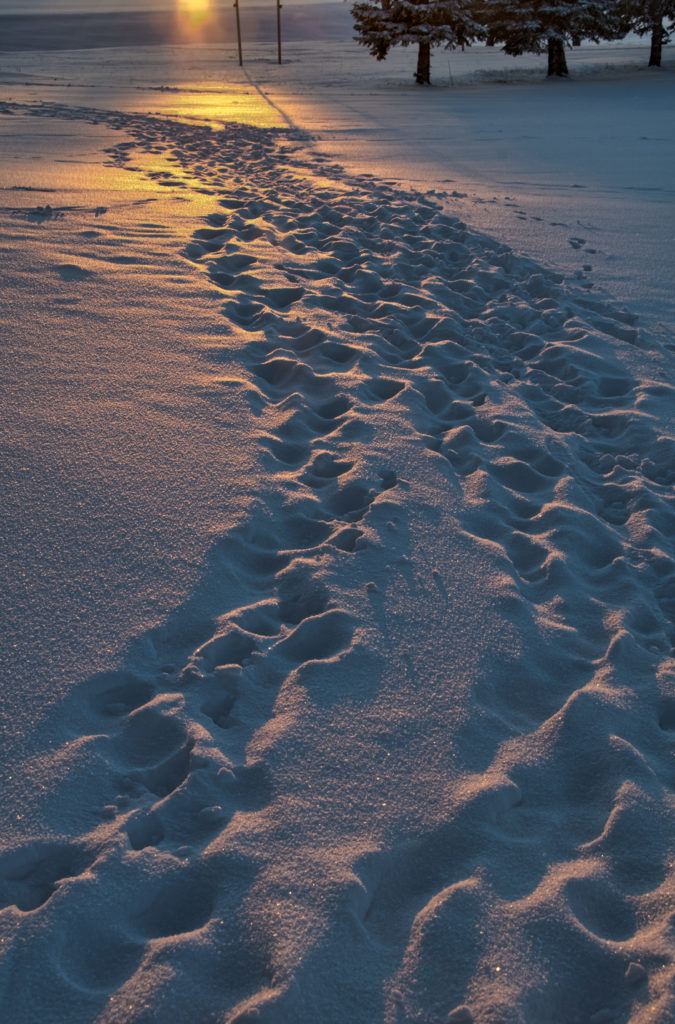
x,y
338,448
577,173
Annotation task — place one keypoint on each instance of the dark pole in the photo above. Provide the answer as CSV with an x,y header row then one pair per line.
x,y
279,6
236,7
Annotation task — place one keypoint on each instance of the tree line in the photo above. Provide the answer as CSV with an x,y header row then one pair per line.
x,y
520,26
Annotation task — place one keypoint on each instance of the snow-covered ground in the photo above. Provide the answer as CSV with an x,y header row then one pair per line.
x,y
511,149
339,579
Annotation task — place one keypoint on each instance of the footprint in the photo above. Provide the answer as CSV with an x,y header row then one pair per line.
x,y
318,638
382,389
215,233
219,705
71,272
151,732
334,408
666,714
95,956
300,595
324,470
351,501
288,374
113,694
337,353
308,340
301,532
233,647
248,314
599,907
31,874
255,559
526,555
180,904
388,479
166,777
286,452
144,829
282,298
518,476
347,539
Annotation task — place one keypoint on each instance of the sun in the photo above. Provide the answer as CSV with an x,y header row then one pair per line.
x,y
193,17
193,6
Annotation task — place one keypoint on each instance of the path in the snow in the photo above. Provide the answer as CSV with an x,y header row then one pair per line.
x,y
406,753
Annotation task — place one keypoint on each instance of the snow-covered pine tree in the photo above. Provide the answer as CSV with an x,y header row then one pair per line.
x,y
381,24
655,18
538,26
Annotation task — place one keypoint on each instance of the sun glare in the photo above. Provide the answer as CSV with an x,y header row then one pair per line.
x,y
193,18
194,6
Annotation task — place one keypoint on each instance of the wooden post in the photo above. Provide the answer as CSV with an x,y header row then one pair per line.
x,y
279,6
236,7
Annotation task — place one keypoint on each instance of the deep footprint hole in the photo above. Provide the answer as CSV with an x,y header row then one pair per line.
x,y
114,694
667,714
179,906
144,830
31,874
300,598
346,540
388,479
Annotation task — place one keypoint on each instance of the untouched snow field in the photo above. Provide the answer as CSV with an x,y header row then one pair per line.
x,y
338,526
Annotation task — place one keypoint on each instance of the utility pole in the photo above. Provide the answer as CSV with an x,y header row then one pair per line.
x,y
279,6
236,7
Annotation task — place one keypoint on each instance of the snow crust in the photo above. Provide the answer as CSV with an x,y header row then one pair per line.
x,y
339,679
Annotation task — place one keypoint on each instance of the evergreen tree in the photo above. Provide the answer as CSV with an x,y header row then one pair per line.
x,y
536,26
649,17
381,24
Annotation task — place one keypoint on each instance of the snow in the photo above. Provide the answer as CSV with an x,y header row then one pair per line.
x,y
338,550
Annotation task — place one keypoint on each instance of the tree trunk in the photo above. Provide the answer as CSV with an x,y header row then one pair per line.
x,y
422,75
557,64
657,42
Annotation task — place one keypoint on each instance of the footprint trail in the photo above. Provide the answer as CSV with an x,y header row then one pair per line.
x,y
396,772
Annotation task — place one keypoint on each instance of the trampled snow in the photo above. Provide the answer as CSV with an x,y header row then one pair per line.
x,y
339,516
